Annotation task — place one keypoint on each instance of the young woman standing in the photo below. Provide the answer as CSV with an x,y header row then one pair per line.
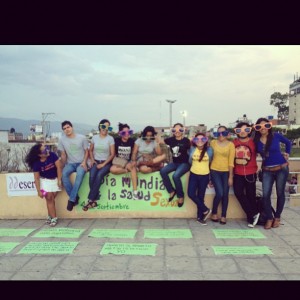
x,y
200,158
275,168
245,169
47,172
221,171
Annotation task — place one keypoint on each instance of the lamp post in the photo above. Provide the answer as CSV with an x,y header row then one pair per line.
x,y
8,151
171,102
184,114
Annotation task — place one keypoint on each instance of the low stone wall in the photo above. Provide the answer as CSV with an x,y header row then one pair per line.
x,y
115,201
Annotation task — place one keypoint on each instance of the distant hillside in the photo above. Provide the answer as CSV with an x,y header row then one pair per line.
x,y
23,126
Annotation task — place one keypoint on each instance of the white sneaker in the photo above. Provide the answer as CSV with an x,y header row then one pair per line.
x,y
255,219
135,195
250,225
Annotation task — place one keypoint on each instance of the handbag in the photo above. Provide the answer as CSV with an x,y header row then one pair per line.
x,y
120,162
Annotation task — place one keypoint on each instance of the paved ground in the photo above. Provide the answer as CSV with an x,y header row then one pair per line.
x,y
175,259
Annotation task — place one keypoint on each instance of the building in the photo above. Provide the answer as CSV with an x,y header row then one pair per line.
x,y
4,136
294,101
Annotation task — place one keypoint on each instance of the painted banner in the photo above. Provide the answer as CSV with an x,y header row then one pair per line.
x,y
20,184
116,194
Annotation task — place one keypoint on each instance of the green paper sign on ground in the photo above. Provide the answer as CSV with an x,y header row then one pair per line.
x,y
128,249
113,233
167,233
59,232
15,232
241,250
49,248
238,234
7,247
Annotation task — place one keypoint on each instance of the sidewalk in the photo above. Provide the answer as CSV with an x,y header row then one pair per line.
x,y
175,259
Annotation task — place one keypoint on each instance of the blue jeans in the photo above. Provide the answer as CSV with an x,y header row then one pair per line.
x,y
196,191
180,169
96,179
72,190
220,182
280,177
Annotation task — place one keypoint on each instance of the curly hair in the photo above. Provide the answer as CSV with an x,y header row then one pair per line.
x,y
148,129
33,155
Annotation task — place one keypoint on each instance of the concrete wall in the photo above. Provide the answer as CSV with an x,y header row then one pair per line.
x,y
32,207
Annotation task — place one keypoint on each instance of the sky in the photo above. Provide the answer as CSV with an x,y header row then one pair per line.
x,y
130,83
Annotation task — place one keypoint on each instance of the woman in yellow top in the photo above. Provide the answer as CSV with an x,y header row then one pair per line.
x,y
200,157
221,171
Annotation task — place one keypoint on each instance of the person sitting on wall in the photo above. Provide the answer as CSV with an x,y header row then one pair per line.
x,y
124,145
147,151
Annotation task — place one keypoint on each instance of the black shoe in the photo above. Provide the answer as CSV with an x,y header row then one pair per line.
x,y
171,198
77,200
70,205
181,204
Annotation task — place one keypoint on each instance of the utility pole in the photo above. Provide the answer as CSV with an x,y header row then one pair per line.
x,y
184,114
171,102
44,117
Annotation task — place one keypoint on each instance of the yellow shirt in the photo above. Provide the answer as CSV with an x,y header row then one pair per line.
x,y
202,167
223,156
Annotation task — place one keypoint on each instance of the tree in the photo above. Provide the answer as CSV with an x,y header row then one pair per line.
x,y
293,134
280,101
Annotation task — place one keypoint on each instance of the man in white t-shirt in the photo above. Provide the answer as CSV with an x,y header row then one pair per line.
x,y
74,154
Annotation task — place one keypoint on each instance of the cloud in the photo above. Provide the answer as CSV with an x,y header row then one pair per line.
x,y
215,84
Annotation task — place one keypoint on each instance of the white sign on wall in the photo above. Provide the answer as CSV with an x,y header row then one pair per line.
x,y
20,184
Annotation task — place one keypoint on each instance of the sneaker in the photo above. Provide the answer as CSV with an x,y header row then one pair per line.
x,y
48,221
205,216
53,222
70,205
250,225
255,219
201,221
135,195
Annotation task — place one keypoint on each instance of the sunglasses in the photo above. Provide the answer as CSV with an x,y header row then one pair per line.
x,y
239,130
125,132
197,140
222,133
148,138
177,130
103,126
258,127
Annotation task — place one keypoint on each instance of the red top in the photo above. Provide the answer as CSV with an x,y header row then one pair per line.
x,y
245,157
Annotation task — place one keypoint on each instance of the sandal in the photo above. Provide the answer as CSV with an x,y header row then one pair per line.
x,y
90,204
214,218
48,220
223,221
53,222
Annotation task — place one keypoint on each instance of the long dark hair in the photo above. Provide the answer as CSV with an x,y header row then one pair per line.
x,y
205,146
257,136
33,155
148,129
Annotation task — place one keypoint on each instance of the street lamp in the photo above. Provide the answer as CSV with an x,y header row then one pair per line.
x,y
171,102
184,114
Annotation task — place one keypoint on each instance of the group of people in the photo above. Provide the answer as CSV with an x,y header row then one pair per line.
x,y
220,163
